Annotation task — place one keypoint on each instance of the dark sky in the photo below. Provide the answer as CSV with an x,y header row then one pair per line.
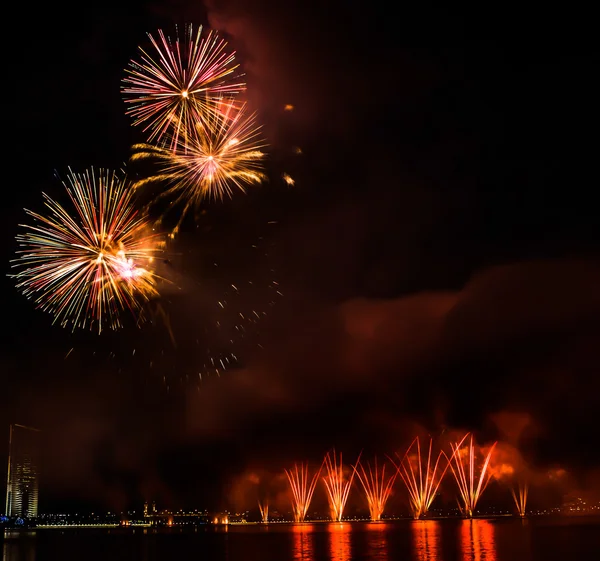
x,y
437,257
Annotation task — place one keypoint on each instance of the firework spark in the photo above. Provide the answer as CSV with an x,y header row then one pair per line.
x,y
303,489
376,486
289,180
337,485
88,266
520,497
214,162
181,85
264,511
471,484
422,476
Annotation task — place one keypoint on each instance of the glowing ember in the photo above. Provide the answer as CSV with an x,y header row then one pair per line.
x,y
288,179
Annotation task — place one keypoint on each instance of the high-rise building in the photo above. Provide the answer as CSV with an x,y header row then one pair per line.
x,y
22,485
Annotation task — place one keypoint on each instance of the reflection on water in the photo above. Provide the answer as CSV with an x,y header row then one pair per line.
x,y
339,541
18,546
426,539
511,539
303,548
377,541
477,540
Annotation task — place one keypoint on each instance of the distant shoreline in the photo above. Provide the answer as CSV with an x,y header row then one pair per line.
x,y
142,525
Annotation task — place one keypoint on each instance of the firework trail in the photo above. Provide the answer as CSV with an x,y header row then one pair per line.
x,y
211,165
264,511
471,484
337,485
302,489
422,476
86,267
184,83
520,497
376,486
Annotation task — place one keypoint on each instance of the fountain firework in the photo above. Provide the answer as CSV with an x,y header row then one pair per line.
x,y
421,476
302,489
264,511
337,484
376,487
470,484
520,497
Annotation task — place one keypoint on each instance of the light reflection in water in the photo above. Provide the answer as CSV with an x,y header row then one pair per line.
x,y
18,546
303,548
339,541
426,537
477,540
377,541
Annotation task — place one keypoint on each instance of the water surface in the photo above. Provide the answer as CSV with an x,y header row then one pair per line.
x,y
538,539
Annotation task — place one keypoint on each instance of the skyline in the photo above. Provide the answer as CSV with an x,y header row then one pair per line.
x,y
23,472
435,261
422,492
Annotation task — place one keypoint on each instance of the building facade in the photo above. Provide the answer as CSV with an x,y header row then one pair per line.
x,y
22,486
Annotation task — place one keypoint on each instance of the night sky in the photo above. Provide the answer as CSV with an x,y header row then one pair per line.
x,y
437,257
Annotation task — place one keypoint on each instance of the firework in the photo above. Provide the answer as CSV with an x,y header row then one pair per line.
x,y
520,497
376,486
471,481
337,485
88,266
182,84
211,165
303,489
264,511
422,476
